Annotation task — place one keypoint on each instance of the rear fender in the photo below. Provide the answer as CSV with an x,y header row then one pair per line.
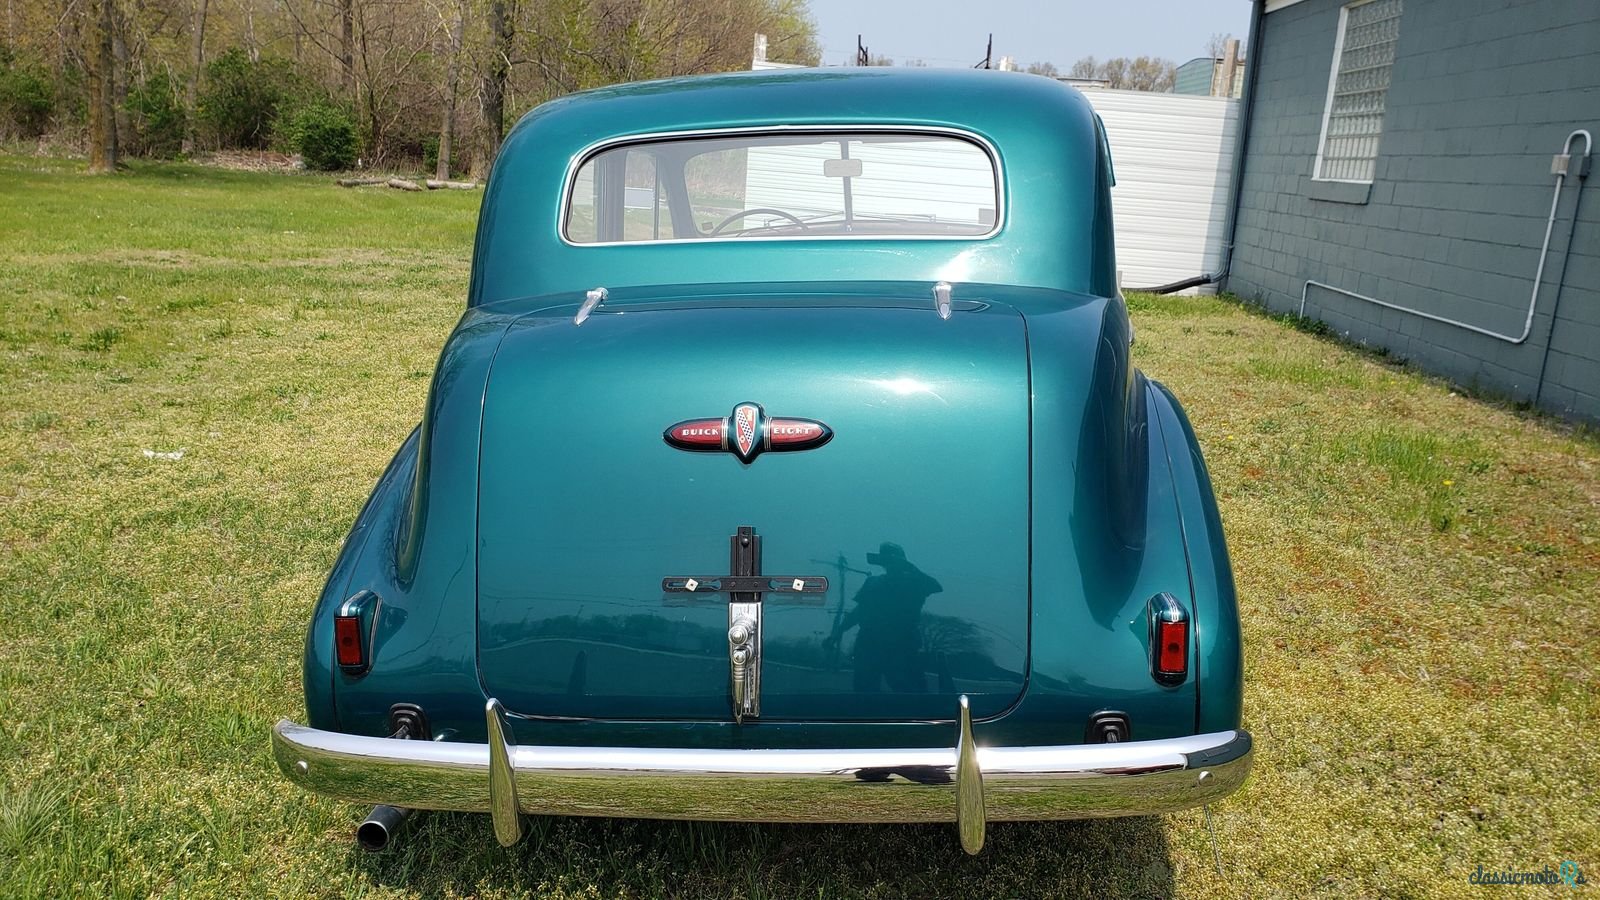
x,y
379,516
1106,536
414,547
1218,645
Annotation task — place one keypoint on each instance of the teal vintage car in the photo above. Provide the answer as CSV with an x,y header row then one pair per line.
x,y
788,464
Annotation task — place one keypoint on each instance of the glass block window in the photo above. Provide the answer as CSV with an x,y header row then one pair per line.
x,y
1363,55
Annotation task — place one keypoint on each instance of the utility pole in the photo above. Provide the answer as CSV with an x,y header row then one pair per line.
x,y
841,565
862,57
988,54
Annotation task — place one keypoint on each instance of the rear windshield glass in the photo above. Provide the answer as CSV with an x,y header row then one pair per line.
x,y
753,186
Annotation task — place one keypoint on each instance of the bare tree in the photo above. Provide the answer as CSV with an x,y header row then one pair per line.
x,y
406,69
1144,73
197,59
101,59
492,90
347,45
1217,43
1114,72
1047,69
1151,73
452,74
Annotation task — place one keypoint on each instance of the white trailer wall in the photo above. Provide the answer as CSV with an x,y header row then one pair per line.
x,y
1173,155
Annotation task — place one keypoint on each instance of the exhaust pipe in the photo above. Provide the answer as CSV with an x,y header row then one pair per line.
x,y
382,825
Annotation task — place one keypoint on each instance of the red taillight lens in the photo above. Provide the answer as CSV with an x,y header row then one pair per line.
x,y
347,643
1172,650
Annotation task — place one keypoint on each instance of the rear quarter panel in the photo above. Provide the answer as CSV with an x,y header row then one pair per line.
x,y
1219,647
1106,535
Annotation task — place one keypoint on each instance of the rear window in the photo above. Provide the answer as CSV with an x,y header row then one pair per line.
x,y
791,185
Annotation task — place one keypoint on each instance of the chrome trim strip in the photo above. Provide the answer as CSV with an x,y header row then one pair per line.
x,y
591,300
503,804
983,143
835,785
970,807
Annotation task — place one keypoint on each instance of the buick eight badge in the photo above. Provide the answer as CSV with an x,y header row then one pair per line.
x,y
746,432
932,527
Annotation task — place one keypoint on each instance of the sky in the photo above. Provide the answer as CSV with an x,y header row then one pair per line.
x,y
953,32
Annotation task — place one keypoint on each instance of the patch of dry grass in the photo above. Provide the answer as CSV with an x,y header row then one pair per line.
x,y
1417,572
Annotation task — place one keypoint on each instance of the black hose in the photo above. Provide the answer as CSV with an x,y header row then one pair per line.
x,y
1175,286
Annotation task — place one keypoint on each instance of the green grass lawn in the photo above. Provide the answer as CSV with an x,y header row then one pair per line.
x,y
1418,574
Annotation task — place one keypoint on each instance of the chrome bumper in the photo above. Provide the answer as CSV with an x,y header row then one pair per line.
x,y
963,783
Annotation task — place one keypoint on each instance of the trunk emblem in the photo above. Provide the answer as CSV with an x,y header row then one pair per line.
x,y
746,416
747,432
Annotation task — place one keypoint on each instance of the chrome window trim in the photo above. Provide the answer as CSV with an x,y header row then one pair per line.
x,y
598,147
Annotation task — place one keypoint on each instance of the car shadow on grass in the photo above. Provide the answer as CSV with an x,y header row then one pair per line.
x,y
456,854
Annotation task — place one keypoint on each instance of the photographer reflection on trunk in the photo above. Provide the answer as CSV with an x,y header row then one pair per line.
x,y
888,611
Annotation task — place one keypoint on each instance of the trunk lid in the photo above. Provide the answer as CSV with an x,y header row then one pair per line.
x,y
916,511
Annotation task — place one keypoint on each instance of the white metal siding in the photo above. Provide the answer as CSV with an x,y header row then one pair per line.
x,y
1173,156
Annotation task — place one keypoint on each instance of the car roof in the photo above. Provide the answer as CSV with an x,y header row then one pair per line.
x,y
980,99
1055,235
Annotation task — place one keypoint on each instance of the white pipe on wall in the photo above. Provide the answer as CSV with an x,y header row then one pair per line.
x,y
1538,275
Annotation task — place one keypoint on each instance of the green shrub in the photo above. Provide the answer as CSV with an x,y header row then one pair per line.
x,y
325,135
156,116
240,100
26,98
430,154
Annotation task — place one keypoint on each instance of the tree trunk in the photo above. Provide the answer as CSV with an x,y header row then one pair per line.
x,y
447,127
252,48
120,70
197,59
347,46
502,29
102,88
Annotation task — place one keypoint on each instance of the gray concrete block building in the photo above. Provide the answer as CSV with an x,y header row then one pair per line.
x,y
1397,181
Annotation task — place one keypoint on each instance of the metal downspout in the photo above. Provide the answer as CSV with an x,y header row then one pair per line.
x,y
1241,142
1241,137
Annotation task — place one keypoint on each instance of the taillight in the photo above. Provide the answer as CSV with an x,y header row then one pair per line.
x,y
1169,640
1172,649
350,649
